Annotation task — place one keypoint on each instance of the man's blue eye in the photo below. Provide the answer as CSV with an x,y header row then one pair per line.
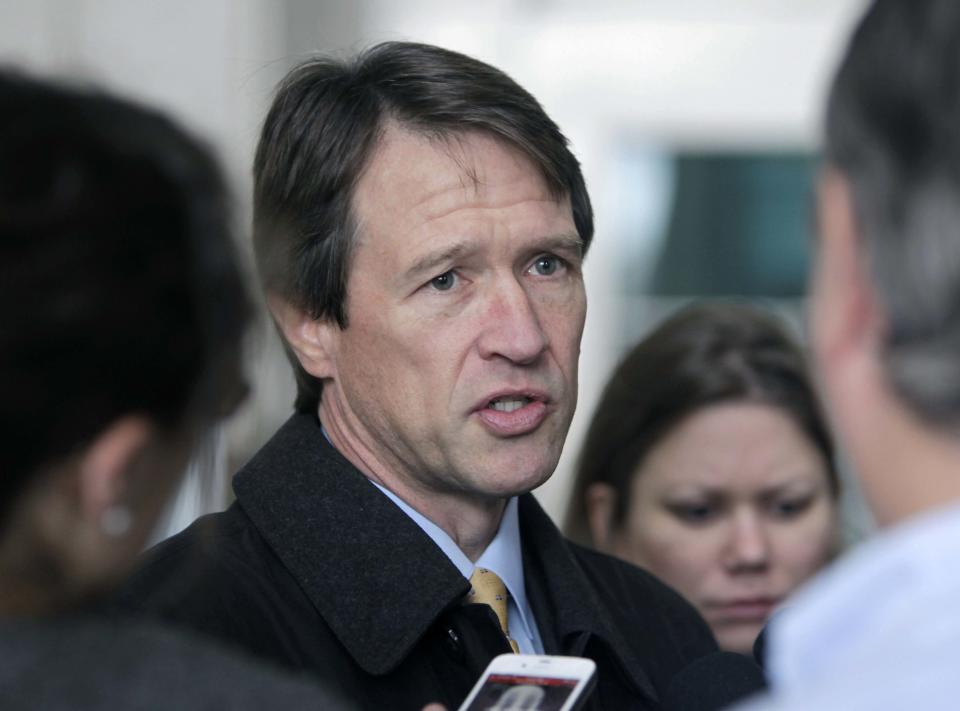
x,y
546,265
444,282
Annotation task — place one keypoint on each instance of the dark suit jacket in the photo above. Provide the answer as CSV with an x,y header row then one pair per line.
x,y
314,568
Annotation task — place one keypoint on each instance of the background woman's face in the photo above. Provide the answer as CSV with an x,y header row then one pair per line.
x,y
733,509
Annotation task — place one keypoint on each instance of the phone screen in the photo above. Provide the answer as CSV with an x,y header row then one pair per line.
x,y
513,692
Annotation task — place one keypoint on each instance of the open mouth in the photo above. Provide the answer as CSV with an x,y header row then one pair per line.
x,y
513,414
509,404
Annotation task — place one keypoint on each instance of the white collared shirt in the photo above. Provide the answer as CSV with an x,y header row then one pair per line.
x,y
879,630
503,556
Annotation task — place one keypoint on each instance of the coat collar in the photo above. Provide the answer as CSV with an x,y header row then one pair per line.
x,y
375,577
577,611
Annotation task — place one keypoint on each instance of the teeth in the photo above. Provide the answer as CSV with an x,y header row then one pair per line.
x,y
505,405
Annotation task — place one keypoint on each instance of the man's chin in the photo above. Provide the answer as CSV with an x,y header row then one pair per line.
x,y
508,479
504,468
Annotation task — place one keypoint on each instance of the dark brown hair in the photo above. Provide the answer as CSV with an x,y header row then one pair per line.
x,y
120,292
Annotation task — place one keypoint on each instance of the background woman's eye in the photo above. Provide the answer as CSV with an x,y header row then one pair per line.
x,y
694,513
444,282
790,507
546,265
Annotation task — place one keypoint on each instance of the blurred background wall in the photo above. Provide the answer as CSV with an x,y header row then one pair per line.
x,y
697,123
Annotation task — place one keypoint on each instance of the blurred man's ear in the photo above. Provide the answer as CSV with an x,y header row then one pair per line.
x,y
845,317
314,341
600,501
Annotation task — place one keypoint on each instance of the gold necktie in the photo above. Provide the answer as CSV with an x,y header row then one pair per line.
x,y
488,589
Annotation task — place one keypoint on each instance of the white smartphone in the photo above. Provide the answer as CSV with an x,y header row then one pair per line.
x,y
532,682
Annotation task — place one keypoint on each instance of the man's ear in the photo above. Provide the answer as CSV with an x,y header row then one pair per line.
x,y
108,461
846,320
600,501
313,340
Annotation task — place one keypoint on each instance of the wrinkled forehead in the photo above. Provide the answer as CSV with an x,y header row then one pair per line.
x,y
430,172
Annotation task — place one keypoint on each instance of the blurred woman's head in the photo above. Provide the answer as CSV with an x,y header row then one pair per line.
x,y
121,312
708,462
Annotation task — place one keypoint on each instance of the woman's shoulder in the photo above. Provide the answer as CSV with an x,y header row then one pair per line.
x,y
94,663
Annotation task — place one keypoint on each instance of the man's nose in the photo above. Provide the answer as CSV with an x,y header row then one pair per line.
x,y
512,327
748,548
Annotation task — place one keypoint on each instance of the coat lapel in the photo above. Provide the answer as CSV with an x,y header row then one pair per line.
x,y
376,579
568,611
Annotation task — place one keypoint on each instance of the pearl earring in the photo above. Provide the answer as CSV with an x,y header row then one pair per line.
x,y
116,521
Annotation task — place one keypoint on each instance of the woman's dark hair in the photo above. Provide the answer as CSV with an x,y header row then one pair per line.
x,y
120,292
705,354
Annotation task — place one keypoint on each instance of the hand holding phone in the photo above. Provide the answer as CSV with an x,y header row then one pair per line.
x,y
533,683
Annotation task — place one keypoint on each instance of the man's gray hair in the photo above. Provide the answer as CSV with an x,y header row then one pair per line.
x,y
893,129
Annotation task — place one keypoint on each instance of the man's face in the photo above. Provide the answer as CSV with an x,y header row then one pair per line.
x,y
457,372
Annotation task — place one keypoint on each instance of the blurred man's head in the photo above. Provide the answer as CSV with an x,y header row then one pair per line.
x,y
420,227
121,311
887,306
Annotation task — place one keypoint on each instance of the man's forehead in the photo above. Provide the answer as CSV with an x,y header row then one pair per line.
x,y
414,170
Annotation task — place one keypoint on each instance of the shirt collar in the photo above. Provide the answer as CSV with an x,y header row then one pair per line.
x,y
505,558
503,555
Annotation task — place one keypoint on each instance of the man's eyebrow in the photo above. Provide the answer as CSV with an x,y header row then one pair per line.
x,y
433,260
430,262
567,242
